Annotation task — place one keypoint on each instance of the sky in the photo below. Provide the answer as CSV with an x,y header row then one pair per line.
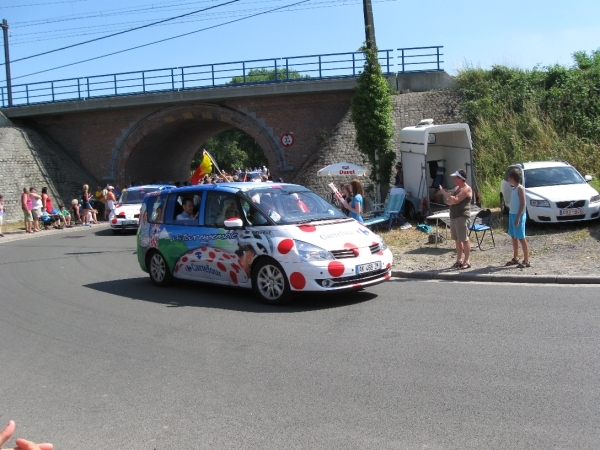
x,y
483,33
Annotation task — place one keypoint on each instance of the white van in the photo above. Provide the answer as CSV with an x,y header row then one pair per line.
x,y
430,154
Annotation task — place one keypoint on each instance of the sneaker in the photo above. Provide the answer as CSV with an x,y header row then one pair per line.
x,y
406,226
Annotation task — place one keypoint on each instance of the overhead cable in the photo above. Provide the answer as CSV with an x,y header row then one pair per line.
x,y
122,32
162,40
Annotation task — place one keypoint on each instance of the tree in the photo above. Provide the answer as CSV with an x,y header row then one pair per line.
x,y
370,112
261,75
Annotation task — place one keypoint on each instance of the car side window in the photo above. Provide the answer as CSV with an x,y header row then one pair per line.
x,y
187,208
155,208
253,215
220,206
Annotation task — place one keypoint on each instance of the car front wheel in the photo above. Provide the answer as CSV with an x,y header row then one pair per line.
x,y
159,270
270,283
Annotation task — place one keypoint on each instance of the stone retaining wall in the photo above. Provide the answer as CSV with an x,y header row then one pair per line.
x,y
28,158
408,109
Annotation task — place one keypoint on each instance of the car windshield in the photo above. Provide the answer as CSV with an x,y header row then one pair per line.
x,y
249,176
134,196
293,205
552,176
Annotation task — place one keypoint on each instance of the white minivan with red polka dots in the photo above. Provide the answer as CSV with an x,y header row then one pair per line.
x,y
277,239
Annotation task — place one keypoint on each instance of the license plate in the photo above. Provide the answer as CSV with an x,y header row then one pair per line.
x,y
129,222
570,212
369,267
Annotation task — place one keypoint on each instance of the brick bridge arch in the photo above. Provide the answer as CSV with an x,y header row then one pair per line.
x,y
161,146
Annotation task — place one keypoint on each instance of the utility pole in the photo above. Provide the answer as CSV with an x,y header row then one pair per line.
x,y
369,24
370,37
7,61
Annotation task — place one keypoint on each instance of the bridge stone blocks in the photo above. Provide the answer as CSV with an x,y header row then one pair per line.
x,y
143,144
408,109
153,138
29,158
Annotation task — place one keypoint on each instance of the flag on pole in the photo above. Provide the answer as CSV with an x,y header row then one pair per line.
x,y
204,168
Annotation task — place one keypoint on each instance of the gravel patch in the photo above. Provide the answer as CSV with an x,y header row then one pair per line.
x,y
555,249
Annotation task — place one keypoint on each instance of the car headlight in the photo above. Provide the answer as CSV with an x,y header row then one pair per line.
x,y
540,203
595,198
382,245
310,252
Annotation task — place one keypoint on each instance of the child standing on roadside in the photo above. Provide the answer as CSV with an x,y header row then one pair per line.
x,y
516,220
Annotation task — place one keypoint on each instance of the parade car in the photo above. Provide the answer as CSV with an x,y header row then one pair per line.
x,y
277,239
554,192
126,214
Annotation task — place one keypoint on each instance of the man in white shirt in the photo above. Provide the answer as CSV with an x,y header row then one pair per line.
x,y
188,211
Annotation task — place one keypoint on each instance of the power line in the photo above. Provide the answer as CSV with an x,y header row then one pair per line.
x,y
107,13
162,40
70,32
122,32
40,4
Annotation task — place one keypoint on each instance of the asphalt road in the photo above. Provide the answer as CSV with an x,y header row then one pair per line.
x,y
94,356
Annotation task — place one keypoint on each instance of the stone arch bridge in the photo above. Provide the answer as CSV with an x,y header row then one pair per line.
x,y
153,137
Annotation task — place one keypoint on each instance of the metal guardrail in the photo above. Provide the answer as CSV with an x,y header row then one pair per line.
x,y
204,76
407,58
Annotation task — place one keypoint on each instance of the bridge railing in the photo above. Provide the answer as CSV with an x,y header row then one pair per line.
x,y
259,71
419,56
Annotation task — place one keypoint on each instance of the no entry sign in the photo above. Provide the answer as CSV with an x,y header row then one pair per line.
x,y
287,139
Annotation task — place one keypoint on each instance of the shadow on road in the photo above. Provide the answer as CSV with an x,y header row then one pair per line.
x,y
187,293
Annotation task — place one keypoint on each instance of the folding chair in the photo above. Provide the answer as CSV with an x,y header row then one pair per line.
x,y
482,223
392,209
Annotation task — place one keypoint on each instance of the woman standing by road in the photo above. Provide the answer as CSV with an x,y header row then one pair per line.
x,y
86,206
356,204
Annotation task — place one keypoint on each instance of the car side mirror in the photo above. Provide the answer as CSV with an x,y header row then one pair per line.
x,y
588,178
234,222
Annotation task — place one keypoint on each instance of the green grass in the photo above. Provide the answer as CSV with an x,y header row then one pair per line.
x,y
519,115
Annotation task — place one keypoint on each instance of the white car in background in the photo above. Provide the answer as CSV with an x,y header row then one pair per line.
x,y
126,215
555,192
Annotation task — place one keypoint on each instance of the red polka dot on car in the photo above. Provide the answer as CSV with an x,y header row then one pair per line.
x,y
297,280
212,255
203,249
184,259
233,276
285,246
221,266
335,268
307,228
352,247
235,267
114,220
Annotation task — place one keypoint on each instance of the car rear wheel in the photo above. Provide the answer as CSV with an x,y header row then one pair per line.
x,y
270,283
159,269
